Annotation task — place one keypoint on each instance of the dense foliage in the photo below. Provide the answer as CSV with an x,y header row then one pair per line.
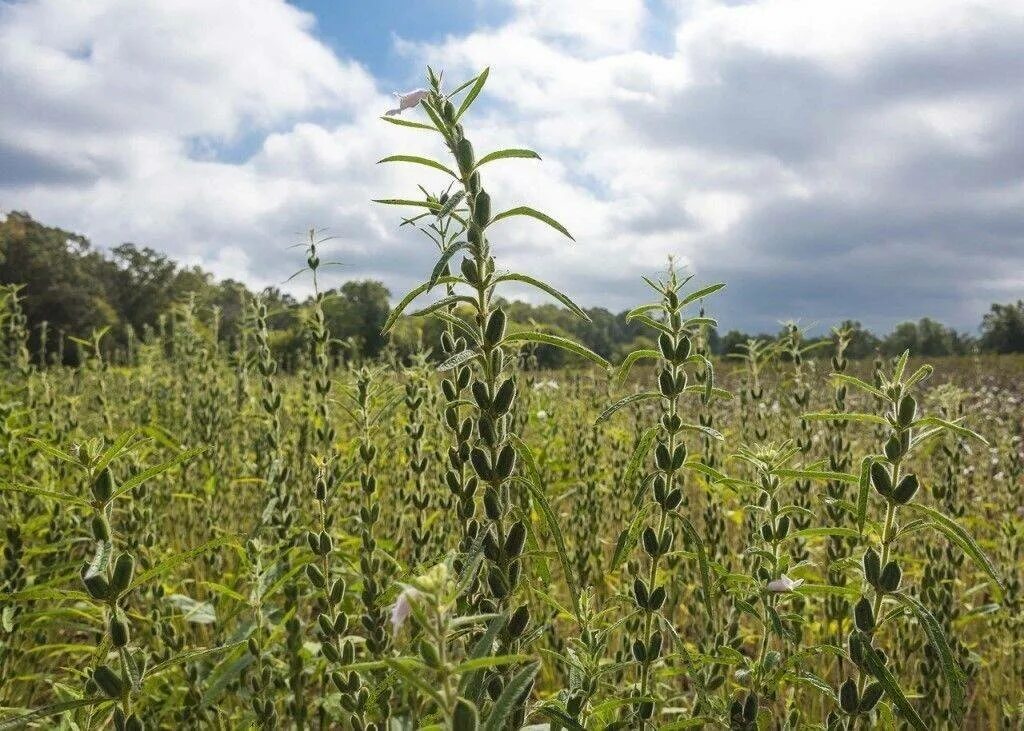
x,y
211,532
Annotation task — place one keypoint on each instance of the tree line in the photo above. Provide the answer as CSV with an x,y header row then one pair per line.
x,y
69,289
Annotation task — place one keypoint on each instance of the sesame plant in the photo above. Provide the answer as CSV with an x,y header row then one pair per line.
x,y
215,522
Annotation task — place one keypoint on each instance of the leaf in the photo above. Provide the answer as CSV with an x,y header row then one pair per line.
x,y
441,268
426,161
544,287
819,475
629,360
490,661
115,449
474,92
628,538
536,487
190,656
52,451
413,294
701,293
858,383
137,479
406,202
952,426
950,669
559,342
463,356
823,531
533,213
177,559
633,398
892,689
504,707
451,204
409,123
505,154
960,538
442,303
194,611
703,564
863,490
100,560
42,492
469,684
643,447
51,710
845,416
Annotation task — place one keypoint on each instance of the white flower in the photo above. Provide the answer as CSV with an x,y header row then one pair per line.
x,y
408,100
784,584
542,414
402,607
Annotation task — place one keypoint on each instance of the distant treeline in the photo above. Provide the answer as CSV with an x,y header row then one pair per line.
x,y
68,288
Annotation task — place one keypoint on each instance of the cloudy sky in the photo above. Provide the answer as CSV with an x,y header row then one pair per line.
x,y
827,159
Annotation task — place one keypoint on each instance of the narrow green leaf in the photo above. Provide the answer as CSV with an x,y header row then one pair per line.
x,y
417,160
633,398
409,123
177,559
950,668
474,92
51,710
892,689
533,213
960,538
547,288
701,293
505,154
505,706
559,342
631,359
148,474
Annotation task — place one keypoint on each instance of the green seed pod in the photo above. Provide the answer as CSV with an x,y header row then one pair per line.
x,y
337,591
464,157
134,723
872,694
119,634
766,532
782,529
326,544
325,625
907,411
96,584
313,541
449,112
881,479
639,650
516,539
482,209
316,576
504,397
864,615
650,541
645,709
906,489
893,449
872,566
492,506
666,384
107,681
891,576
330,651
640,593
464,716
848,699
662,457
481,463
470,272
673,499
518,621
657,600
103,487
666,346
856,647
506,462
654,646
678,456
100,528
495,329
124,569
429,654
750,708
683,348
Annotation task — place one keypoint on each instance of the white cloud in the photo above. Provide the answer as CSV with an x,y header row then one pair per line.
x,y
833,159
